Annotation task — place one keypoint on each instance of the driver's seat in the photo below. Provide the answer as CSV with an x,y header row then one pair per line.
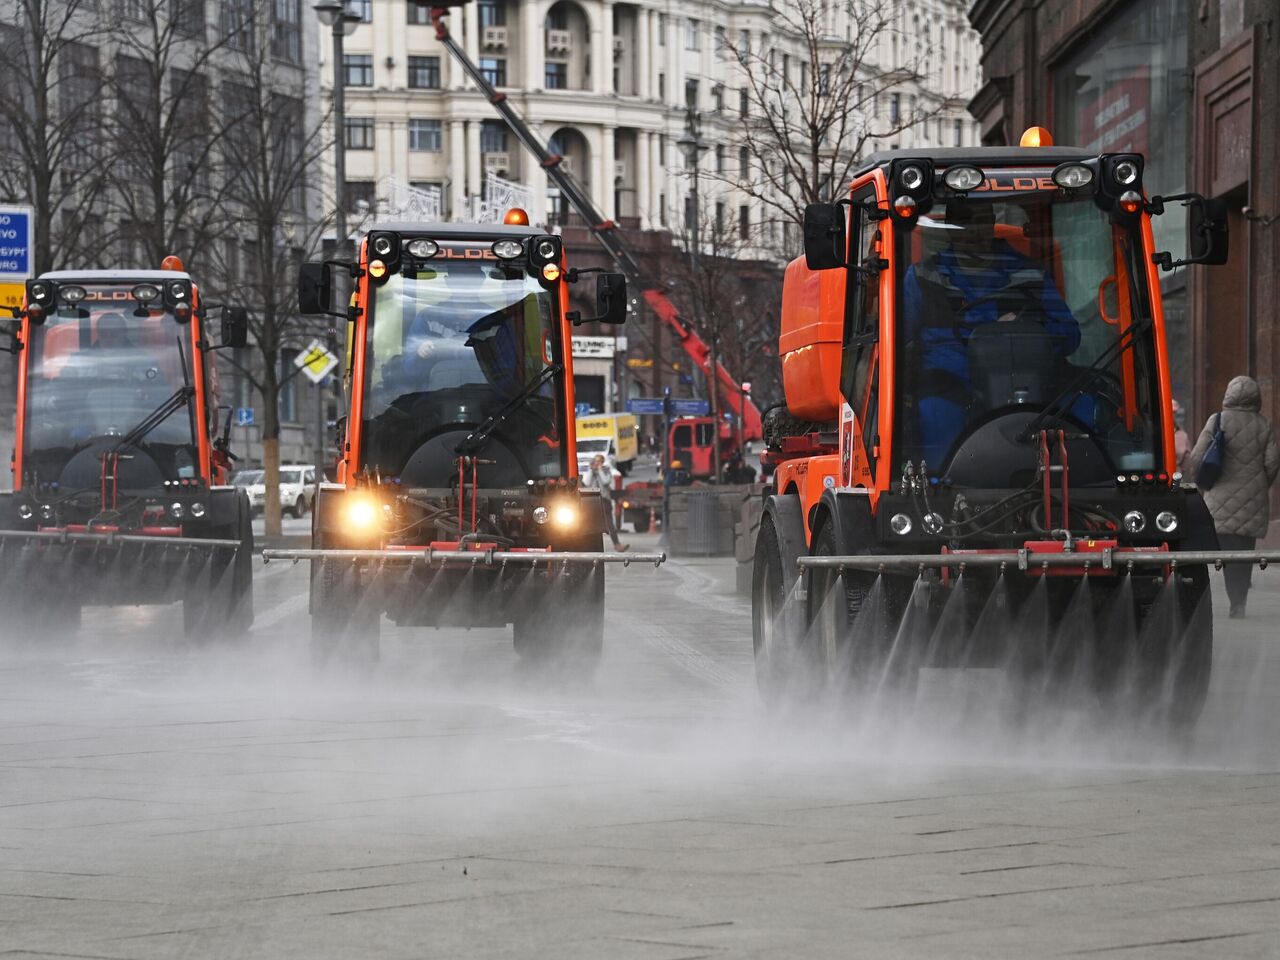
x,y
1011,363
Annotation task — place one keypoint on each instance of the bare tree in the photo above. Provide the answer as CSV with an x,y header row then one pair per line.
x,y
167,180
54,151
270,151
808,118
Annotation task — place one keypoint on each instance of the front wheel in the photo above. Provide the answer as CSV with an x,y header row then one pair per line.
x,y
776,626
562,631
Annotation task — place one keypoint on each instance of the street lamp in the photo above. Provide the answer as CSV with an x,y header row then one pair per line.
x,y
338,16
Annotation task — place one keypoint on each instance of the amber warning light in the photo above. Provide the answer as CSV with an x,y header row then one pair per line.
x,y
1036,137
516,218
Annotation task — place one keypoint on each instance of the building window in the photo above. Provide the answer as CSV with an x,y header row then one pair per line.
x,y
691,34
662,87
357,70
492,13
717,98
362,7
494,70
690,214
744,102
744,222
426,136
719,235
493,136
691,94
418,13
361,195
719,158
359,133
959,134
662,29
895,107
286,30
744,162
424,73
722,42
557,76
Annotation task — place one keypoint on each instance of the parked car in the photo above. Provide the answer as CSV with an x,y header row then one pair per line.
x,y
297,488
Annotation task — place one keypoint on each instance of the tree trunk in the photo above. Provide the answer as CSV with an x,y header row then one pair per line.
x,y
271,483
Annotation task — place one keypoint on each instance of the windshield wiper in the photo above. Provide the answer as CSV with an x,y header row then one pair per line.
x,y
480,434
181,397
1076,387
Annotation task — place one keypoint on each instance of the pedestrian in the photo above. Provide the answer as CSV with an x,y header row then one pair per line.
x,y
600,476
1181,442
1238,499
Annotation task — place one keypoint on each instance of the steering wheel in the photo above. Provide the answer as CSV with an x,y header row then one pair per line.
x,y
1028,290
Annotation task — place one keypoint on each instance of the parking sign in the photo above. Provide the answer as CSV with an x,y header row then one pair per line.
x,y
15,243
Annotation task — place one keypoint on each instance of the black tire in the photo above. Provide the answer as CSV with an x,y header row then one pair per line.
x,y
220,606
345,624
564,634
777,627
299,508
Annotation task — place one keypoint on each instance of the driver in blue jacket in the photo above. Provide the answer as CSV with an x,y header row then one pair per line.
x,y
948,295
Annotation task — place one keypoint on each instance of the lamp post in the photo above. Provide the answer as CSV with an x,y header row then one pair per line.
x,y
744,388
343,21
694,146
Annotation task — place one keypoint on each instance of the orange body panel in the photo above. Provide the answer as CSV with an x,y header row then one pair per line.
x,y
810,341
808,477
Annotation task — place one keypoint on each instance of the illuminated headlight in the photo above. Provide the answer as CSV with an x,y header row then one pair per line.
x,y
176,510
1166,521
177,291
900,524
564,515
197,509
541,515
508,249
39,291
146,292
1125,172
377,269
1131,201
73,294
423,249
551,272
1073,176
361,514
1135,521
46,511
911,177
25,512
962,179
546,250
382,245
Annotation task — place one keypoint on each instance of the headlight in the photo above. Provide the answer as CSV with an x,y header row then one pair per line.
x,y
39,291
423,248
176,510
73,294
564,515
25,512
360,514
540,515
546,249
1135,521
933,523
382,245
178,291
507,249
963,179
1166,521
1125,172
197,509
900,524
1072,176
146,292
46,511
911,177
551,272
377,269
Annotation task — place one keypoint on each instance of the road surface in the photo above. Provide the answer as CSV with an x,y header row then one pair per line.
x,y
163,801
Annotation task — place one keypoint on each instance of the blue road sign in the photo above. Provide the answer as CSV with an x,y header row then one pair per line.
x,y
583,409
645,405
15,243
244,416
691,408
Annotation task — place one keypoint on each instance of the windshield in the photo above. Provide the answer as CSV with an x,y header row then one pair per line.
x,y
448,348
94,372
592,446
1005,306
290,476
247,478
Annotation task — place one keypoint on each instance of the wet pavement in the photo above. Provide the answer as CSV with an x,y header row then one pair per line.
x,y
159,799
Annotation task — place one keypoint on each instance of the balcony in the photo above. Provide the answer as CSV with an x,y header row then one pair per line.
x,y
559,41
497,161
494,38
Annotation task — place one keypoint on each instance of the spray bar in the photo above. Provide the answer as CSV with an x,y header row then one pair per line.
x,y
68,537
1107,559
474,557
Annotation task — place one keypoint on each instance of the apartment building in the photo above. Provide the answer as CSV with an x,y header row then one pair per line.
x,y
608,84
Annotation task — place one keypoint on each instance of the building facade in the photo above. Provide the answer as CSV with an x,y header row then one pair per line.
x,y
609,85
1195,87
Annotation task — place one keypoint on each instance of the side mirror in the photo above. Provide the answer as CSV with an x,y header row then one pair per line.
x,y
235,327
824,236
315,288
1207,233
611,301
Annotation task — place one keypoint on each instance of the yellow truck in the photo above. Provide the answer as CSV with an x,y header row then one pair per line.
x,y
616,435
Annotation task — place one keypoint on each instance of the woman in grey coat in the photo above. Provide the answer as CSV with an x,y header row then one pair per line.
x,y
1239,501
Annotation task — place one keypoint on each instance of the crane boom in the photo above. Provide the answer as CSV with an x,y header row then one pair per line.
x,y
606,232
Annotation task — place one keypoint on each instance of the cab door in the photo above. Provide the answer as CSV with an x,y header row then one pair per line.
x,y
860,356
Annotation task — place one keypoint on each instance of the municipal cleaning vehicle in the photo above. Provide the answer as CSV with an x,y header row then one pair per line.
x,y
975,465
120,474
457,501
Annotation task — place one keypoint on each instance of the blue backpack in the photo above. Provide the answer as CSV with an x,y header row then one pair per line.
x,y
1211,466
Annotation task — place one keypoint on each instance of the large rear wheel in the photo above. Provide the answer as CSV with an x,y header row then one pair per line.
x,y
777,623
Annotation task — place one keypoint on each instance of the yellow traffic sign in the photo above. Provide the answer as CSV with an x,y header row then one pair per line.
x,y
11,294
316,361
